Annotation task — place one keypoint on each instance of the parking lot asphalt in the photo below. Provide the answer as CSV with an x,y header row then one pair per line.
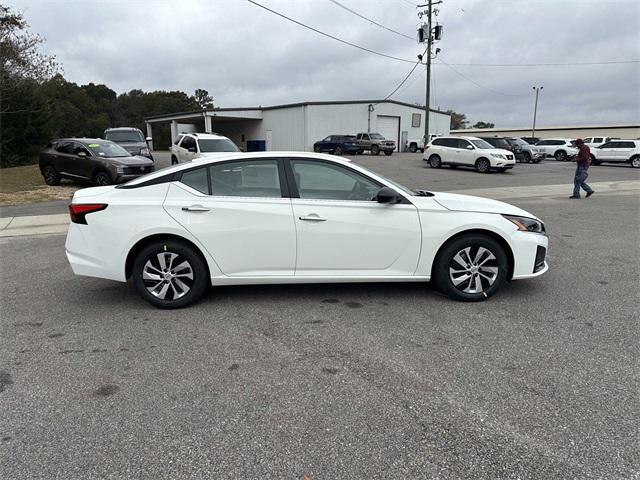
x,y
335,381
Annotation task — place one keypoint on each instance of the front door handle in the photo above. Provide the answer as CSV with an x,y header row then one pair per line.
x,y
312,218
195,208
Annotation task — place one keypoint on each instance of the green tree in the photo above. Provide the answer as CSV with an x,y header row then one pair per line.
x,y
203,99
458,120
483,125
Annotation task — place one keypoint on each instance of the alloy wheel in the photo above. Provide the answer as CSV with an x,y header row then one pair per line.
x,y
635,162
102,179
435,161
50,175
473,269
168,276
483,165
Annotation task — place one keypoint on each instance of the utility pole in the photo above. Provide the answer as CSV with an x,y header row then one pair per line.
x,y
427,33
428,89
535,111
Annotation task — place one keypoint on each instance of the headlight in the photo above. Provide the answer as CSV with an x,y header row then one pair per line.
x,y
119,169
525,224
145,151
498,155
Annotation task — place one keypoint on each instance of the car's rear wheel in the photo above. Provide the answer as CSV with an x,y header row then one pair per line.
x,y
102,178
50,176
169,274
338,151
316,148
594,161
174,160
413,148
560,155
471,268
375,150
635,161
483,165
435,161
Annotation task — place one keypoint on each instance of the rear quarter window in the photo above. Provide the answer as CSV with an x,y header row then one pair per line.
x,y
197,179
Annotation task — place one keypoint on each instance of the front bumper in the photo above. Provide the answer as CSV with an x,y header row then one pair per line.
x,y
530,254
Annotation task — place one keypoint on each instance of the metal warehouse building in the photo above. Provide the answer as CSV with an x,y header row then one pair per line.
x,y
297,126
577,131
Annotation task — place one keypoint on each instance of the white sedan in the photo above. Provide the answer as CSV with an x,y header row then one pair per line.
x,y
295,217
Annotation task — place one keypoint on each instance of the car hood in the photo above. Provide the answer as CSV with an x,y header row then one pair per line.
x,y
134,161
468,203
133,147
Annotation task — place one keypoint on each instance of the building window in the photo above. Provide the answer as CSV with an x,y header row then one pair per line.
x,y
415,119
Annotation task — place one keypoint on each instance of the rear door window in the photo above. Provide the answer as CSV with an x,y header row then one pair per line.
x,y
197,179
246,178
462,143
626,145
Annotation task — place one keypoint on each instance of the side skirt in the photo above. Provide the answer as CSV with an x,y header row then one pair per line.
x,y
312,279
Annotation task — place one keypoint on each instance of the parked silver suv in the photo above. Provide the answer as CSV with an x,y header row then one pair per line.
x,y
131,139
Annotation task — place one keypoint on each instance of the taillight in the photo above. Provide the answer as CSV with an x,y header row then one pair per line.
x,y
79,211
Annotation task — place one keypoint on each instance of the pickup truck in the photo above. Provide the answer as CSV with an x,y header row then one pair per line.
x,y
375,143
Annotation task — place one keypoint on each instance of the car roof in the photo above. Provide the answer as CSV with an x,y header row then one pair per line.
x,y
458,136
111,129
204,136
226,156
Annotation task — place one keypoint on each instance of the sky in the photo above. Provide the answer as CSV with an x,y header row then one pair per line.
x,y
246,56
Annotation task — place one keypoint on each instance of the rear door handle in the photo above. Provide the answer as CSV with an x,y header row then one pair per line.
x,y
312,218
195,208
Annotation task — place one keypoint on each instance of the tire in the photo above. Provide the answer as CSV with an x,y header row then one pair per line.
x,y
635,161
102,178
375,150
174,160
413,148
594,161
471,268
536,160
483,165
185,284
338,151
387,153
316,148
359,152
50,176
435,161
560,156
527,157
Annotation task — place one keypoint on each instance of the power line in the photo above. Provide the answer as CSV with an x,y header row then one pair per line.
x,y
567,64
331,36
476,83
372,21
401,83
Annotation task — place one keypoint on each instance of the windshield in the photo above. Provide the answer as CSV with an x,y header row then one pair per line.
x,y
481,144
518,141
125,136
377,136
217,145
108,149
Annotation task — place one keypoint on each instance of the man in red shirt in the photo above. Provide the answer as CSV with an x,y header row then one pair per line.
x,y
583,160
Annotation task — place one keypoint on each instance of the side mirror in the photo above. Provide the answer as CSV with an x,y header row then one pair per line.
x,y
148,139
469,147
387,195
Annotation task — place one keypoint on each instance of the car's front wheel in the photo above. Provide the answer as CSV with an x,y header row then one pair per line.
x,y
388,152
316,148
471,268
50,176
527,157
338,151
483,165
635,161
560,155
169,274
413,148
102,179
375,150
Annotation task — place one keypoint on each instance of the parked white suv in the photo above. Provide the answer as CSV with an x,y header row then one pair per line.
x,y
593,142
469,152
617,151
189,146
562,149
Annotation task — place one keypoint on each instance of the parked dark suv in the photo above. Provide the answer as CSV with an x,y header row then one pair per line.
x,y
94,159
131,139
337,144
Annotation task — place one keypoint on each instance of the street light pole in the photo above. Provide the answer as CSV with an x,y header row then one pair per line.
x,y
535,111
428,89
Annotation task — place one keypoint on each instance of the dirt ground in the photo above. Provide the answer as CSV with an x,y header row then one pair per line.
x,y
20,185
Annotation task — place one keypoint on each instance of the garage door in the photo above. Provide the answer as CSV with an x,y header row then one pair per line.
x,y
389,128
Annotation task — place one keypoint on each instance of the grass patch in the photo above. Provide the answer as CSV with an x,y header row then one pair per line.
x,y
20,185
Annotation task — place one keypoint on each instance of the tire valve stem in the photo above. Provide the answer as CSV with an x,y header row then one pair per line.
x,y
484,294
164,247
